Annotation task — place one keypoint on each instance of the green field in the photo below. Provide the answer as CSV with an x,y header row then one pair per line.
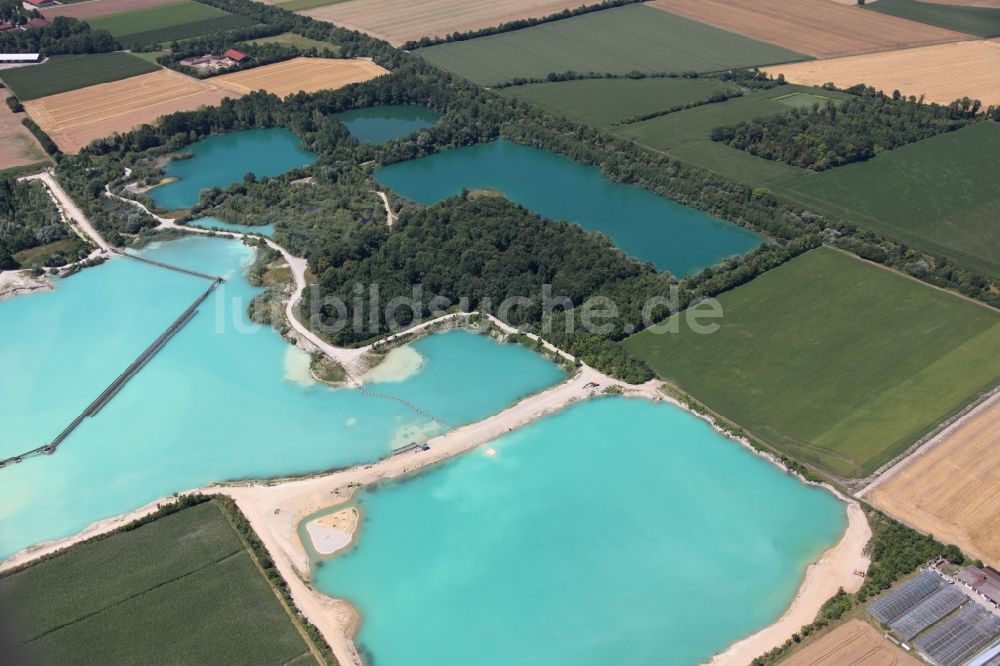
x,y
940,194
686,135
617,40
70,72
604,102
979,21
292,39
834,361
166,23
182,589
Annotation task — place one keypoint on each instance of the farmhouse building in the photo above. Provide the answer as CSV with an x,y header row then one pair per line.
x,y
6,26
238,57
20,58
38,4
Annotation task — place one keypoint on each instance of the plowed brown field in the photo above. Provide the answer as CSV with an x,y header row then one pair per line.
x,y
74,119
93,8
854,643
299,75
815,27
953,490
942,73
398,21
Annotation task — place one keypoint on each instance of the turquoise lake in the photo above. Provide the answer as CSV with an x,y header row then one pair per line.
x,y
222,160
224,399
222,225
617,531
378,124
651,228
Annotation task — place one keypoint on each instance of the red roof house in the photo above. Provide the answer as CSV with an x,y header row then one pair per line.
x,y
236,56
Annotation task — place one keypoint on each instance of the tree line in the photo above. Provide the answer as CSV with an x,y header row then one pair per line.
x,y
63,36
841,132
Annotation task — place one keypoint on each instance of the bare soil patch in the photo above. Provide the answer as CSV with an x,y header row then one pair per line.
x,y
17,145
93,8
74,119
819,28
942,73
953,490
398,21
299,75
853,643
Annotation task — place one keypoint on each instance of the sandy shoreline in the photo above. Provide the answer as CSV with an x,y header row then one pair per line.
x,y
21,283
275,509
834,570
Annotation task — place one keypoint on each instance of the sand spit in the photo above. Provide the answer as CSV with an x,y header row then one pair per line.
x,y
335,531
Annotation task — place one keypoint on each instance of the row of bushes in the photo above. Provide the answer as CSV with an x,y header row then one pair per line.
x,y
48,144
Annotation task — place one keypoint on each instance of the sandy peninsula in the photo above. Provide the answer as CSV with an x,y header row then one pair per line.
x,y
335,531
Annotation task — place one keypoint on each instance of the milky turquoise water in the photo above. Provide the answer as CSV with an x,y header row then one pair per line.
x,y
618,531
214,404
222,225
378,124
224,159
651,228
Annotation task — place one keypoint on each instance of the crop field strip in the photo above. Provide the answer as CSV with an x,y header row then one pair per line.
x,y
183,585
164,23
853,642
299,75
834,361
819,28
939,195
619,40
979,21
941,73
18,147
399,21
952,490
605,102
74,119
64,73
91,8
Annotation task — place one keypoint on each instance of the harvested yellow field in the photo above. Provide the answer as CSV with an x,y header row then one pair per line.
x,y
74,119
300,75
399,21
953,490
815,27
941,73
854,643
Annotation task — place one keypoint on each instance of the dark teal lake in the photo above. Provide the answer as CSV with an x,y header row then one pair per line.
x,y
653,229
378,124
220,161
